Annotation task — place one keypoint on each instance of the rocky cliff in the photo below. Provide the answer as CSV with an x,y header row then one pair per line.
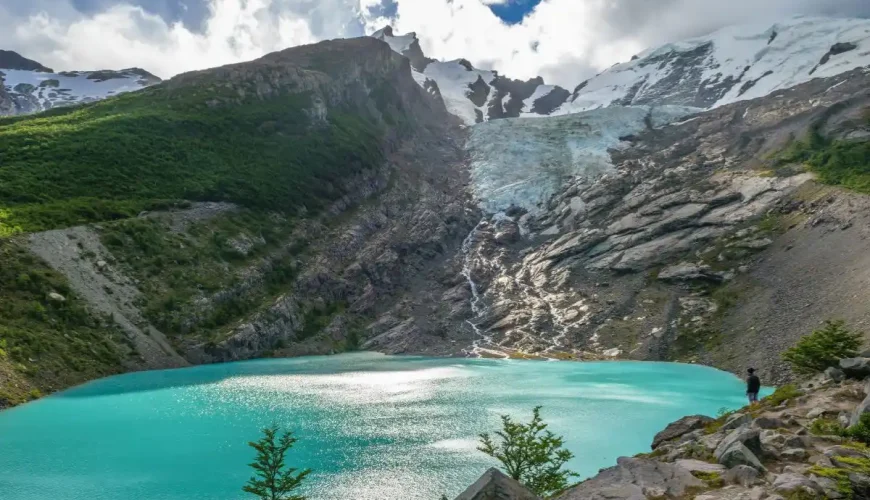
x,y
699,242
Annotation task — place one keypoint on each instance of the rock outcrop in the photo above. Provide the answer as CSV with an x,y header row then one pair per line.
x,y
494,485
780,448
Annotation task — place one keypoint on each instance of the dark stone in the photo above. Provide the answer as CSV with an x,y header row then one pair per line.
x,y
494,485
479,92
550,102
682,426
855,367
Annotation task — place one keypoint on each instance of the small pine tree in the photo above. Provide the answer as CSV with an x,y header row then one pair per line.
x,y
823,348
272,480
530,454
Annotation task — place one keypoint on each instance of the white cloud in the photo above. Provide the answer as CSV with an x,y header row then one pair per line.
x,y
565,41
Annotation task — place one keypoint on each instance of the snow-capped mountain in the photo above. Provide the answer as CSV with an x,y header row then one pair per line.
x,y
27,86
732,64
472,94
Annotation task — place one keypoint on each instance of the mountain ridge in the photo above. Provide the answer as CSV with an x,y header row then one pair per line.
x,y
735,63
27,86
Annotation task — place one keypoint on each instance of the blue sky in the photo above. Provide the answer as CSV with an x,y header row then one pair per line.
x,y
514,11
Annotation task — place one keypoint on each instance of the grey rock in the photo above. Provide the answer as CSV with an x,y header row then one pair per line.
x,y
790,482
738,454
733,493
693,465
835,374
680,427
743,435
736,420
56,297
816,412
843,451
831,488
685,271
794,454
855,367
741,474
634,479
768,423
495,485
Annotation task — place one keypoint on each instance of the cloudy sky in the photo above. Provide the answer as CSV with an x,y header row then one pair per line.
x,y
565,41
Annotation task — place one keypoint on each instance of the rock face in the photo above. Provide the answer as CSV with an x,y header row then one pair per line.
x,y
494,485
682,426
635,479
640,255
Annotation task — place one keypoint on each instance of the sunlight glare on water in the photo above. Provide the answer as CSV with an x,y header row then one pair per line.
x,y
372,427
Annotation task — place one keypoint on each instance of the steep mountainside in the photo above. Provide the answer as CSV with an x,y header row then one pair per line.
x,y
704,240
307,191
29,87
733,64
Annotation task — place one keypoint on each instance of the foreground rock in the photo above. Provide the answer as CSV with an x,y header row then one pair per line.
x,y
776,450
636,479
494,485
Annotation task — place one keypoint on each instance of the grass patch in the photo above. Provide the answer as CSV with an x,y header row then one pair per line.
x,y
781,395
51,343
165,142
835,162
175,270
713,479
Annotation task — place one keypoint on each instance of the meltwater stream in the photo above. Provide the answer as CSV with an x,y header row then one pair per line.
x,y
372,427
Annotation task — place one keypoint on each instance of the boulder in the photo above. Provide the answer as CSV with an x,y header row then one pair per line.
x,y
738,454
734,493
830,487
844,451
682,426
494,485
741,474
56,297
835,374
855,367
693,465
743,435
635,479
685,271
862,408
816,412
794,454
736,420
791,483
768,423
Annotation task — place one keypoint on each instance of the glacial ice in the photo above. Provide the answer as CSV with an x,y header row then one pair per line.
x,y
523,161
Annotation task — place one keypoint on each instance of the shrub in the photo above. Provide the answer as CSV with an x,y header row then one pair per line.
x,y
823,348
272,479
530,454
861,431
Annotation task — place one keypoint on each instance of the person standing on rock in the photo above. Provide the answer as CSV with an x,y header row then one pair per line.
x,y
753,385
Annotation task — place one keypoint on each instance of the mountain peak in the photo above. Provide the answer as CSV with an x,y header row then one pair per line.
x,y
13,60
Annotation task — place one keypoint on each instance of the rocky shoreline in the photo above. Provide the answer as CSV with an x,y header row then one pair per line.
x,y
790,446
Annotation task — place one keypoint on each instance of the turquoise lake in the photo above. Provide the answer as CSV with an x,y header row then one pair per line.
x,y
372,427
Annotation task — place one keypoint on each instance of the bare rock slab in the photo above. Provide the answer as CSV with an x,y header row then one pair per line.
x,y
635,479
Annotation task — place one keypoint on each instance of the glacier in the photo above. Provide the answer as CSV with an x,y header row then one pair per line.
x,y
521,162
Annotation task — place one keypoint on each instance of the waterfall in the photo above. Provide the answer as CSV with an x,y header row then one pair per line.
x,y
480,337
